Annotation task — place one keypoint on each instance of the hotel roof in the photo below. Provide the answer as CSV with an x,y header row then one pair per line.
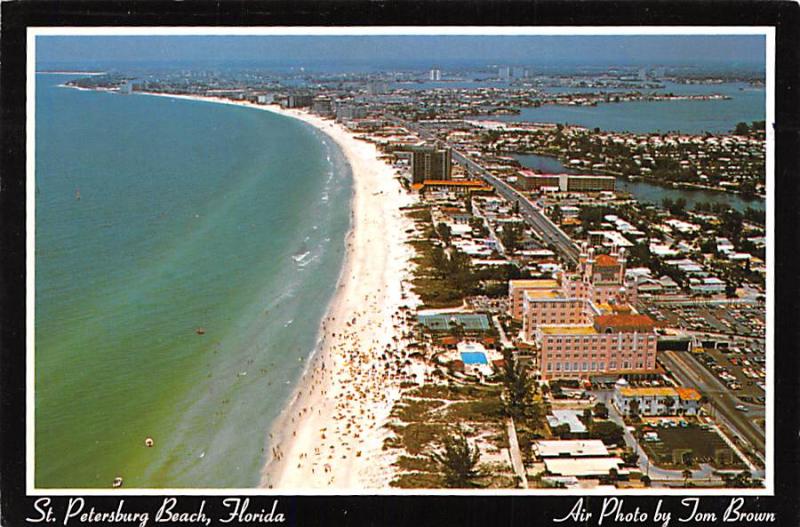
x,y
538,284
619,322
568,330
542,293
604,260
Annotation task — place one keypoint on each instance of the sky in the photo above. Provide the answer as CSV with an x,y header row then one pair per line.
x,y
399,50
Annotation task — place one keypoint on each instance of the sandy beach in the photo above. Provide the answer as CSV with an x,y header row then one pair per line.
x,y
331,435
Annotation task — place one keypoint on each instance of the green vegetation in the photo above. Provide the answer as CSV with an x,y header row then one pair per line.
x,y
458,462
424,428
444,276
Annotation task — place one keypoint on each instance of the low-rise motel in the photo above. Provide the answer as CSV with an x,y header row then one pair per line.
x,y
583,324
659,400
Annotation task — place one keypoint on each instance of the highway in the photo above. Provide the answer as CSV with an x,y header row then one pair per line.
x,y
546,229
691,373
533,215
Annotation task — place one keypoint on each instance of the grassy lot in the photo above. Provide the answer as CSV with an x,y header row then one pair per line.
x,y
702,446
427,414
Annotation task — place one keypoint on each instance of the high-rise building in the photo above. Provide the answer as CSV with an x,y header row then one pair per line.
x,y
431,163
504,72
435,74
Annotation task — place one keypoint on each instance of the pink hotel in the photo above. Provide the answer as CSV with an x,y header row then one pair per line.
x,y
583,323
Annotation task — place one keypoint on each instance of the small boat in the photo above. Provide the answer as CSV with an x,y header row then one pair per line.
x,y
117,482
77,195
148,442
200,331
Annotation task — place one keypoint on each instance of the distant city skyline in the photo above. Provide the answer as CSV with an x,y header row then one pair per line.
x,y
399,51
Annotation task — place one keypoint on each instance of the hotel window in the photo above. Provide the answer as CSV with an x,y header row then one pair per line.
x,y
575,366
626,365
566,366
638,364
594,366
612,365
549,366
602,365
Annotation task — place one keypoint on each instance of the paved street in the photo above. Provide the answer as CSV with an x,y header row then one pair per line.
x,y
722,402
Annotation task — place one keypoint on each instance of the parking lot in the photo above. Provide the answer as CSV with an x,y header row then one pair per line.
x,y
740,368
730,319
674,446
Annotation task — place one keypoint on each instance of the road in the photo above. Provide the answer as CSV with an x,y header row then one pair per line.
x,y
691,373
516,455
533,215
704,473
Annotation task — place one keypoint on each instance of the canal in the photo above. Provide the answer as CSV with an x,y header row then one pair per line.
x,y
644,191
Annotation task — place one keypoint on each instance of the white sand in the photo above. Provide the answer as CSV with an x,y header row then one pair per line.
x,y
331,435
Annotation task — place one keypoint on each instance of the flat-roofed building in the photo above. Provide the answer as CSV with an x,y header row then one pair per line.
x,y
569,418
662,400
458,188
570,448
531,181
584,467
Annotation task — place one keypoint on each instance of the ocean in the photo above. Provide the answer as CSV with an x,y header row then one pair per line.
x,y
185,255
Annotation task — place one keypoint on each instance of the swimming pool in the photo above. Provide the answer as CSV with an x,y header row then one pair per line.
x,y
474,357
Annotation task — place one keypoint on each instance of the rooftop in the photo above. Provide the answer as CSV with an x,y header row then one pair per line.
x,y
604,260
567,417
571,447
586,466
533,284
568,330
623,322
661,391
688,394
542,293
452,183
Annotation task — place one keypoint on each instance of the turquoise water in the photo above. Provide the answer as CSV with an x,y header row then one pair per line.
x,y
156,217
644,191
716,116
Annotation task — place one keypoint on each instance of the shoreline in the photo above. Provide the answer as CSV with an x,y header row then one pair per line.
x,y
330,434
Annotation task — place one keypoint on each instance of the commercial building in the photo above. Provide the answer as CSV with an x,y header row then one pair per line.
x,y
458,188
663,400
569,448
430,163
435,74
585,467
531,181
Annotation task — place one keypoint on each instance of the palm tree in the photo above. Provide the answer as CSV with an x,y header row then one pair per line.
x,y
687,475
635,408
519,386
458,461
